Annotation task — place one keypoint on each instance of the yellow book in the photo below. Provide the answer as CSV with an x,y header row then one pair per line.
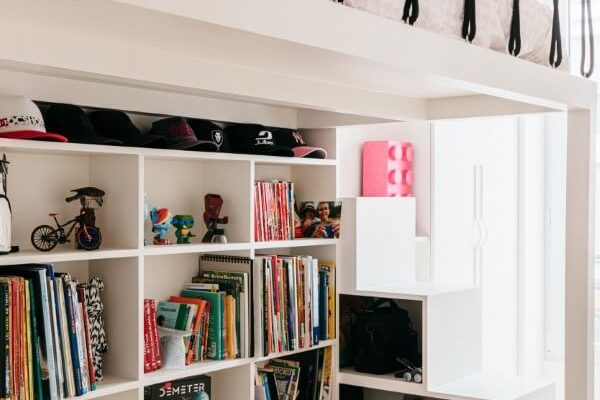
x,y
230,326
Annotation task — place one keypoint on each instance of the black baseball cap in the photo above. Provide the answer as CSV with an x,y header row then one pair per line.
x,y
293,139
255,139
180,135
117,125
209,131
71,121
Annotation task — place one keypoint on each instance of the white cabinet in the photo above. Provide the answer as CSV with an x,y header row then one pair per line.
x,y
475,224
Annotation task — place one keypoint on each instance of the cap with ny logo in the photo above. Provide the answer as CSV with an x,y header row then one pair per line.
x,y
255,139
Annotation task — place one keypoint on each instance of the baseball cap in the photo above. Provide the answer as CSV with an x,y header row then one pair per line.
x,y
20,118
209,131
117,125
180,135
293,139
255,139
71,121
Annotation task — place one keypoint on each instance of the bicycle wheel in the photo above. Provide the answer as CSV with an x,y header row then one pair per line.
x,y
44,238
91,241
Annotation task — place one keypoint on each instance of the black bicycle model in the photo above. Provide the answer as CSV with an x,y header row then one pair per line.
x,y
88,236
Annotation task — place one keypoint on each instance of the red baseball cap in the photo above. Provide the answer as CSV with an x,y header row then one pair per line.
x,y
21,118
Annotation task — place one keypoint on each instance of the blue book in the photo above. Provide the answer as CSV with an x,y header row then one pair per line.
x,y
72,328
323,305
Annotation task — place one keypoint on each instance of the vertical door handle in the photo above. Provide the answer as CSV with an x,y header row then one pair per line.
x,y
476,225
484,229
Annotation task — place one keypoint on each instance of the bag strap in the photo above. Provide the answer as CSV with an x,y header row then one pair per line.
x,y
411,11
555,44
469,27
514,43
585,5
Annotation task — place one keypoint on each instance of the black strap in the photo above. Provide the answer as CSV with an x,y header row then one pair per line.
x,y
514,43
585,5
555,44
411,11
469,27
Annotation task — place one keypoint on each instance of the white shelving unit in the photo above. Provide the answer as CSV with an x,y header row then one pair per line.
x,y
308,64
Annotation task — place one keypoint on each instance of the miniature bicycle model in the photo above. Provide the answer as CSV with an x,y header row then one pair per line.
x,y
88,236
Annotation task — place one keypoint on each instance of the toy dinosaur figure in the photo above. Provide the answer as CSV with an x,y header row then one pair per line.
x,y
161,222
183,225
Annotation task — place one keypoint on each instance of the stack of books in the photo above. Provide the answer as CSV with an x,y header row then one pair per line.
x,y
306,376
273,211
294,302
49,345
215,308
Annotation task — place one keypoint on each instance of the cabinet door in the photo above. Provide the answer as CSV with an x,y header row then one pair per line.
x,y
453,230
499,191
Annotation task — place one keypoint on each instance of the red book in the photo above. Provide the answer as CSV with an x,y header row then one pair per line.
x,y
154,333
147,336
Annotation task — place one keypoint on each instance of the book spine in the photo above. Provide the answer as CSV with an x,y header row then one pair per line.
x,y
154,332
147,340
71,317
323,305
52,292
80,340
88,347
315,292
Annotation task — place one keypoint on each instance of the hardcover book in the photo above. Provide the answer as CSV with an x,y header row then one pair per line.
x,y
196,388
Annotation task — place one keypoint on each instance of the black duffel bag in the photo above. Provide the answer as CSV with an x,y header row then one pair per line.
x,y
382,334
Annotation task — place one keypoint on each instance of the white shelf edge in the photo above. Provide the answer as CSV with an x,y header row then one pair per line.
x,y
205,367
34,256
157,250
200,368
111,385
78,149
294,243
320,345
413,291
387,382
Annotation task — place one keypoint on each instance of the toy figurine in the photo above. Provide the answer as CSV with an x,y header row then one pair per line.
x,y
161,222
46,237
212,209
5,211
183,225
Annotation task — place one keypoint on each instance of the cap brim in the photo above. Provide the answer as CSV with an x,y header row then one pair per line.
x,y
34,135
272,151
309,152
147,140
195,145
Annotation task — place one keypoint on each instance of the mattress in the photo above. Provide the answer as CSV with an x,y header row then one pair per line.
x,y
493,19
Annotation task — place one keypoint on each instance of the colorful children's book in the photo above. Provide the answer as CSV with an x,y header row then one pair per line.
x,y
216,324
173,315
195,340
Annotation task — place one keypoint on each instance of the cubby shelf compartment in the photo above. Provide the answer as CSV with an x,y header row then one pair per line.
x,y
33,256
294,243
320,345
109,386
387,382
204,367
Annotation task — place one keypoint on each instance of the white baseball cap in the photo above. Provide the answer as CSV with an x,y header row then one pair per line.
x,y
20,118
